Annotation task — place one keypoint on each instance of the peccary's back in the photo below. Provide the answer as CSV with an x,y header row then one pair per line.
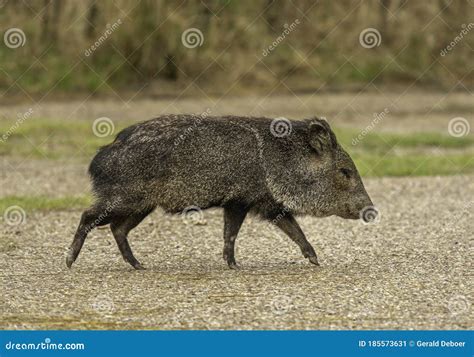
x,y
181,160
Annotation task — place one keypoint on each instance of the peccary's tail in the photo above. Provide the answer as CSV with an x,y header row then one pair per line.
x,y
98,163
102,167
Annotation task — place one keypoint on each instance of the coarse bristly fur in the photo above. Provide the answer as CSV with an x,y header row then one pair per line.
x,y
237,163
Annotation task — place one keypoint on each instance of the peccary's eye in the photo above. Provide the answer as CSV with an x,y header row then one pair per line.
x,y
347,173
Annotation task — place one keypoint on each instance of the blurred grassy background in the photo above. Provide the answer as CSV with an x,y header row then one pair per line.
x,y
145,51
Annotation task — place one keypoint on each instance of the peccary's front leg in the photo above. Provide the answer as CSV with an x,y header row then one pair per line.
x,y
289,225
233,218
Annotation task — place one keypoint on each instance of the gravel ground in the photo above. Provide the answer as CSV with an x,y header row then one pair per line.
x,y
27,177
411,270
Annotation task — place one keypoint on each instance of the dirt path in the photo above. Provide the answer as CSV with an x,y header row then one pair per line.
x,y
413,269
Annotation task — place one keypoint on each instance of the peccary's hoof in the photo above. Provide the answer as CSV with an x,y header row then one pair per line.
x,y
69,261
314,260
139,267
234,266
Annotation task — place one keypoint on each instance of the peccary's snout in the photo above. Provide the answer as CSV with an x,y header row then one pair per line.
x,y
360,206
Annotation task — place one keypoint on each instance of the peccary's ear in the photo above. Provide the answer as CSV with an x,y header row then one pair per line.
x,y
321,137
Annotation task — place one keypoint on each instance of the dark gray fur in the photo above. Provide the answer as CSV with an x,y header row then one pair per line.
x,y
177,161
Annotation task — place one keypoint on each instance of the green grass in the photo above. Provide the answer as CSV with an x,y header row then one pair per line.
x,y
51,139
383,142
416,165
375,154
29,203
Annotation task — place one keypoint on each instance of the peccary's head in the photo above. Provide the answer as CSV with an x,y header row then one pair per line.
x,y
341,191
319,177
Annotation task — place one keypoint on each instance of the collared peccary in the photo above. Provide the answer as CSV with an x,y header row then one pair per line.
x,y
275,169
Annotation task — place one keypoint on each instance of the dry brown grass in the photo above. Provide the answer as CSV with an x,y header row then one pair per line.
x,y
146,49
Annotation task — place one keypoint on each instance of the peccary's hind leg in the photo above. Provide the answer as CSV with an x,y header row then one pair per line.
x,y
289,225
91,218
120,227
233,218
